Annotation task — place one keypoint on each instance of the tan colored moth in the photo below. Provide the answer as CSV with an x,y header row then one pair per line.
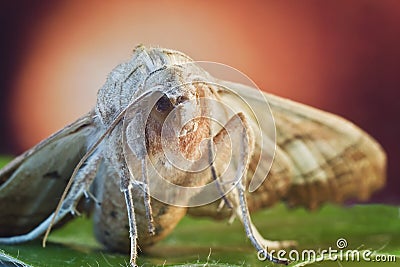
x,y
157,116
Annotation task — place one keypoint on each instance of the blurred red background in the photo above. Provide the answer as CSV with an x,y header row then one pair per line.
x,y
340,56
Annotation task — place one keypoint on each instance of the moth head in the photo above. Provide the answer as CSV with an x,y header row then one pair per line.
x,y
179,115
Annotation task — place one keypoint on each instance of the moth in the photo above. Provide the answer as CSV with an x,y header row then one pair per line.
x,y
167,139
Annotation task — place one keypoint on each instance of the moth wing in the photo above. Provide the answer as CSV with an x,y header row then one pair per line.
x,y
31,184
319,156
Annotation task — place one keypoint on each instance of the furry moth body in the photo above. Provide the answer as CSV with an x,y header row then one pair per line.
x,y
319,157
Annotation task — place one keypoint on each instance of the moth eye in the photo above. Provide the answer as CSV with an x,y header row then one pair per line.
x,y
163,104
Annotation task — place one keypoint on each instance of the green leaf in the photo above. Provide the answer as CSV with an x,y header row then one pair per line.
x,y
202,242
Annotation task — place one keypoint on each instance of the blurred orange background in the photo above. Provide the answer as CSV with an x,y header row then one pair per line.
x,y
340,56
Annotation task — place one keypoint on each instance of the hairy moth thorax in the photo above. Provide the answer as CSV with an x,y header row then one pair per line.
x,y
126,81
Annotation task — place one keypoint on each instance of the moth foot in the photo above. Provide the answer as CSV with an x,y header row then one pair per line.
x,y
232,218
221,205
75,212
89,195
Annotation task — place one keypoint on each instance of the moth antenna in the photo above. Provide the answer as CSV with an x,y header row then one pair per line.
x,y
78,166
146,196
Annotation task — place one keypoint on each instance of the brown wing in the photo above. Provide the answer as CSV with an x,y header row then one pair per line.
x,y
31,184
327,157
319,156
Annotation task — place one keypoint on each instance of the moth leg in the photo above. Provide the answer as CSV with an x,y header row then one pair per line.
x,y
224,200
90,195
240,131
251,231
127,185
132,224
146,196
126,188
84,177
